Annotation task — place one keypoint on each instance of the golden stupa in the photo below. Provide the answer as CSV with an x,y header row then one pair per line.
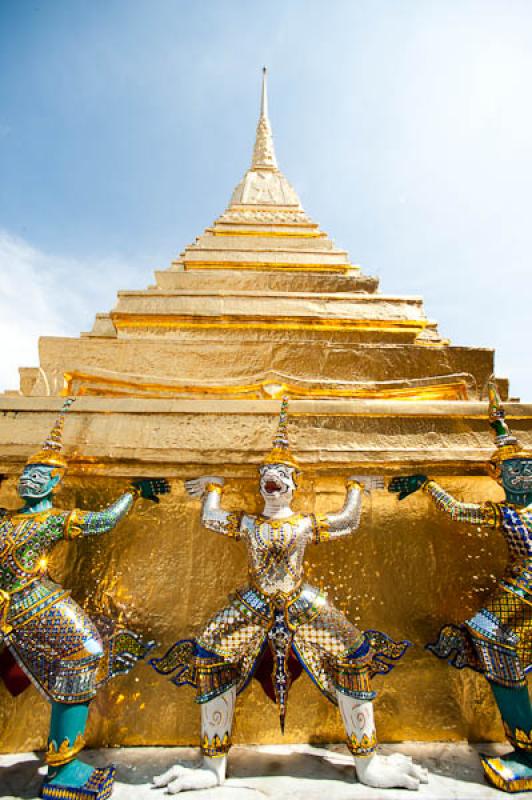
x,y
184,378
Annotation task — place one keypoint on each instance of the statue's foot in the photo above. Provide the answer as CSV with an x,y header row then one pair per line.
x,y
387,772
79,781
511,773
183,779
76,773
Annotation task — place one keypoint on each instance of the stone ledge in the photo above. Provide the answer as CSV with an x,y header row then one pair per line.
x,y
280,772
467,409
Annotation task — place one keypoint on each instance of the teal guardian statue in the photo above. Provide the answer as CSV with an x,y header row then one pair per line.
x,y
497,640
59,648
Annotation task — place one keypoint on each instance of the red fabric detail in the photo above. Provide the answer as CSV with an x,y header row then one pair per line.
x,y
14,677
264,671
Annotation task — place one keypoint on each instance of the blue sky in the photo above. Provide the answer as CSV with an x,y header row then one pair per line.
x,y
404,125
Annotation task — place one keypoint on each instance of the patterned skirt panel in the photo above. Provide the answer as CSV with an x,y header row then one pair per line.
x,y
234,637
324,642
59,648
505,651
496,641
335,654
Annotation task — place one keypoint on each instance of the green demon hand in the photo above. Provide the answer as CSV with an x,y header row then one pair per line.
x,y
151,488
407,484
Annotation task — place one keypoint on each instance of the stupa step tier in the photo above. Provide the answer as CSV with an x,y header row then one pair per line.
x,y
265,280
205,365
164,312
262,303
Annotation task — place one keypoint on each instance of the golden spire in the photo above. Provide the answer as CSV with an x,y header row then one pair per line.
x,y
264,184
50,452
263,152
508,445
280,452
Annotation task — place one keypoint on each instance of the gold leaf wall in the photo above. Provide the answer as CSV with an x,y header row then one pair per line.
x,y
407,571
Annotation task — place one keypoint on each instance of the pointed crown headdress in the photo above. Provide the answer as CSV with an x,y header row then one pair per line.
x,y
50,453
508,445
280,452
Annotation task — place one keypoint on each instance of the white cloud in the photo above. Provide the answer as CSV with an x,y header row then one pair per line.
x,y
43,294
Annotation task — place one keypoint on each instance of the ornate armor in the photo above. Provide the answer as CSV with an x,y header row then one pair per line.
x,y
276,618
64,653
317,632
51,637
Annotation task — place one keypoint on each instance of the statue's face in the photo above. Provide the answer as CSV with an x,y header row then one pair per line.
x,y
38,481
516,477
277,482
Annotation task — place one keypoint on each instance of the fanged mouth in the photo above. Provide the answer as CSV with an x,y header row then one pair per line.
x,y
271,486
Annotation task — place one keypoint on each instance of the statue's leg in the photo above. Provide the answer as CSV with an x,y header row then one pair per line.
x,y
75,677
67,725
216,725
513,772
382,772
499,633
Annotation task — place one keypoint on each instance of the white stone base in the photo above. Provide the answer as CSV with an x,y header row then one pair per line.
x,y
280,772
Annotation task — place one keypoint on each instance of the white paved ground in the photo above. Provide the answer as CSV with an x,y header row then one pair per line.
x,y
281,772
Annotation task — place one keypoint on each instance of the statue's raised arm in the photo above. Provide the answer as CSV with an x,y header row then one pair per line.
x,y
485,514
210,488
81,522
335,525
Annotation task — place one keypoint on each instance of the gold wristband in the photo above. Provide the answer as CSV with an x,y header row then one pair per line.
x,y
136,491
214,487
73,525
352,484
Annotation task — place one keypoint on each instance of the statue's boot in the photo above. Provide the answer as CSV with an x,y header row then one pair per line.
x,y
69,778
512,772
373,769
216,724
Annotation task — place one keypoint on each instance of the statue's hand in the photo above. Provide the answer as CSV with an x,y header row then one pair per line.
x,y
369,482
196,486
406,484
151,488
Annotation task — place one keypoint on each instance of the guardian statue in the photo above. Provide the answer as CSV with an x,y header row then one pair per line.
x,y
65,654
278,625
497,640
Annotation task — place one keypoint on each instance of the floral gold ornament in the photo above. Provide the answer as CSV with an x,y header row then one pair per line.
x,y
66,752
